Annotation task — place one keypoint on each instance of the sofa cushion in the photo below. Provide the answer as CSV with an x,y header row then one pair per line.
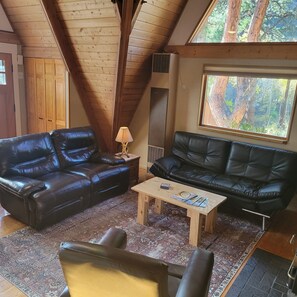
x,y
74,146
262,164
194,175
203,151
29,155
65,194
104,179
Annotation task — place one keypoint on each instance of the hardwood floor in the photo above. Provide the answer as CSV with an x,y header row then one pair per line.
x,y
276,240
8,225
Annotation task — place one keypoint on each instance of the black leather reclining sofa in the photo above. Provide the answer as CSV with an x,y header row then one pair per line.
x,y
255,178
45,178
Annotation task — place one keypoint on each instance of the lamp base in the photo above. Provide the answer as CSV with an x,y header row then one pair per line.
x,y
124,149
122,154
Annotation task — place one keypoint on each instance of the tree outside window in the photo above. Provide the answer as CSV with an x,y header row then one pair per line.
x,y
250,103
248,21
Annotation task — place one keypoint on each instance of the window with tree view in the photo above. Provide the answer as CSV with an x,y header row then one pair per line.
x,y
248,101
248,21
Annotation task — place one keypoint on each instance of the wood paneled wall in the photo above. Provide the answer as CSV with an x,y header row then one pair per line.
x,y
93,30
30,24
151,32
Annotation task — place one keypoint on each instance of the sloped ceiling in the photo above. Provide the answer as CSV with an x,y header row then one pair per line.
x,y
91,31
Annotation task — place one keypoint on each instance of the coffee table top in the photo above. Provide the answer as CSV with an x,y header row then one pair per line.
x,y
151,187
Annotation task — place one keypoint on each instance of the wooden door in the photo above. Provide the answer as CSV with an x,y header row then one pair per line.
x,y
50,107
60,76
46,94
40,95
7,108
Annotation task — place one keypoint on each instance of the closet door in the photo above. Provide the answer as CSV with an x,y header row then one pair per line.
x,y
46,94
50,106
40,95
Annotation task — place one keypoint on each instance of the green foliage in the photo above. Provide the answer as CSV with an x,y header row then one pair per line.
x,y
266,101
279,24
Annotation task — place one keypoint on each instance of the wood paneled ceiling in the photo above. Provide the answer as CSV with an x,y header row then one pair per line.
x,y
89,35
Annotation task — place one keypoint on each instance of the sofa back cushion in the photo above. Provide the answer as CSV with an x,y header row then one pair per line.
x,y
203,151
261,163
75,145
29,155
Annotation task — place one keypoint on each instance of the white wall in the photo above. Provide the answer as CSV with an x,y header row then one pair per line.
x,y
188,21
77,114
4,23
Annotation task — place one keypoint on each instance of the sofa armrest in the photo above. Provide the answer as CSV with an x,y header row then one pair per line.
x,y
106,158
114,237
272,189
20,185
163,166
196,279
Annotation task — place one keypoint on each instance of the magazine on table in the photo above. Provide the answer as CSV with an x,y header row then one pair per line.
x,y
191,199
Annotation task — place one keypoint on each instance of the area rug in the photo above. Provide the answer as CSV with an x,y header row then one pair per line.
x,y
29,258
263,275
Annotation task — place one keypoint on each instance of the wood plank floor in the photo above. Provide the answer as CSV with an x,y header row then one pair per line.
x,y
275,240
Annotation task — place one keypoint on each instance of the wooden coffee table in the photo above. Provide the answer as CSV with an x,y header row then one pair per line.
x,y
151,189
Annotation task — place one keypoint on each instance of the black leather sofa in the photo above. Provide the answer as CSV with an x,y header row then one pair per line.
x,y
45,178
255,178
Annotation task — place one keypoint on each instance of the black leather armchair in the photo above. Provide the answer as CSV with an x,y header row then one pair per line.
x,y
99,269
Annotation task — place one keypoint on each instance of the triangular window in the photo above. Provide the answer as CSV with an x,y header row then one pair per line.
x,y
248,21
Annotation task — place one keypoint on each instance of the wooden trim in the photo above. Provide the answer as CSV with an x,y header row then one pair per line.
x,y
9,37
70,61
282,51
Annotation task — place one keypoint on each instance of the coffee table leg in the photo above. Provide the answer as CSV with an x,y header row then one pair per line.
x,y
142,212
158,206
195,227
210,221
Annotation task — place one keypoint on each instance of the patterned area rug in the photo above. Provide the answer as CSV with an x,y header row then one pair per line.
x,y
29,258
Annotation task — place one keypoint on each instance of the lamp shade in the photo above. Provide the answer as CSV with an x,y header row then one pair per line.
x,y
124,135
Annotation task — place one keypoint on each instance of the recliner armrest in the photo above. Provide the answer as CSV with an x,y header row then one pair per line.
x,y
21,186
106,158
196,279
163,166
114,237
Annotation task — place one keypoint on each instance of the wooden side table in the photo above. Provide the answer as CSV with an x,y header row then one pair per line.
x,y
133,163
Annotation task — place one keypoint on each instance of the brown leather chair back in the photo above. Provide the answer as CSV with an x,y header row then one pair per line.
x,y
99,270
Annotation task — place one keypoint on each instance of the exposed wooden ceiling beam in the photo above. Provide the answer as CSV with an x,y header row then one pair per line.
x,y
283,51
70,61
129,10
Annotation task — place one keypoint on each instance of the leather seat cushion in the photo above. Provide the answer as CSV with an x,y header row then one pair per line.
x,y
193,174
63,193
101,175
228,184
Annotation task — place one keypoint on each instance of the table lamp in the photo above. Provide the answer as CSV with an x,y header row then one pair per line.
x,y
124,137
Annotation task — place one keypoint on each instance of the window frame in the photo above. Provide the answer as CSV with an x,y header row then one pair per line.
x,y
254,71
